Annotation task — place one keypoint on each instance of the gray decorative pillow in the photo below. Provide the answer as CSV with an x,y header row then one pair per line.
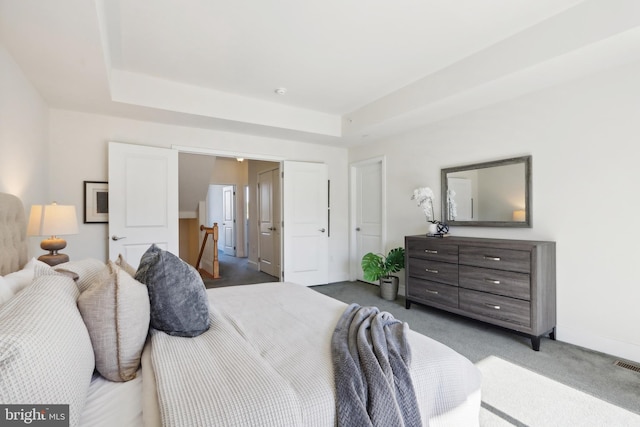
x,y
179,304
116,311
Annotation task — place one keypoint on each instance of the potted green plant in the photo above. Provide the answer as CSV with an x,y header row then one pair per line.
x,y
380,267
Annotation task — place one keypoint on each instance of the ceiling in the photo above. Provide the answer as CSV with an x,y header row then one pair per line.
x,y
355,70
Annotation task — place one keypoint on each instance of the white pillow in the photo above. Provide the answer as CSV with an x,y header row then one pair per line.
x,y
21,279
5,291
45,349
88,270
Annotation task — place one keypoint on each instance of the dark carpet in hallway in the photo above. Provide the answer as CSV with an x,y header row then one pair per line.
x,y
236,271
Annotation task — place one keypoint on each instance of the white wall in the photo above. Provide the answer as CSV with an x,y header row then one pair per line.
x,y
23,140
583,137
78,144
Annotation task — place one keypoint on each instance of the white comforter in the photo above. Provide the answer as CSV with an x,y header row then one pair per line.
x,y
267,361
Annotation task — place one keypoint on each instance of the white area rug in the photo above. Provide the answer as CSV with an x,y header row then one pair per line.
x,y
512,395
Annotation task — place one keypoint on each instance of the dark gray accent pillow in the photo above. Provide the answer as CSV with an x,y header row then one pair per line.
x,y
179,304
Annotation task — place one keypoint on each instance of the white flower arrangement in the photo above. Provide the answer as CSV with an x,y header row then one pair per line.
x,y
424,198
453,207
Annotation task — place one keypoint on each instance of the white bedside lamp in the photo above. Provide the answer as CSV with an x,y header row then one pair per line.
x,y
53,220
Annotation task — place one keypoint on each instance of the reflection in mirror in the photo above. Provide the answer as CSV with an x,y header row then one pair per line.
x,y
488,194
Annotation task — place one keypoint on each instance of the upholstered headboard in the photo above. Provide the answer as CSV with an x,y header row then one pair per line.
x,y
13,234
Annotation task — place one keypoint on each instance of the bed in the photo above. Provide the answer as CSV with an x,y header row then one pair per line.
x,y
264,360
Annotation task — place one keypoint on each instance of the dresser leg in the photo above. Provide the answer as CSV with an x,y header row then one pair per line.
x,y
552,334
407,304
535,343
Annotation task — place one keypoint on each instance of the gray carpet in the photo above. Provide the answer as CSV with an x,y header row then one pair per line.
x,y
585,370
236,271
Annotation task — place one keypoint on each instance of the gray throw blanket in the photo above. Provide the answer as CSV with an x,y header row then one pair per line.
x,y
371,359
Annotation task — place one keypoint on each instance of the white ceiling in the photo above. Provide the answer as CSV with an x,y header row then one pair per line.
x,y
351,67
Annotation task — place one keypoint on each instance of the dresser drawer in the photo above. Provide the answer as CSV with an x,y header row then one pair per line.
x,y
500,259
432,248
437,293
435,271
495,306
507,283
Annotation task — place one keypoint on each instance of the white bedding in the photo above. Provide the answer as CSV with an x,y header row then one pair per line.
x,y
278,334
112,404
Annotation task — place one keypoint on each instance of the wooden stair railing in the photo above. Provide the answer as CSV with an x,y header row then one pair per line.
x,y
216,266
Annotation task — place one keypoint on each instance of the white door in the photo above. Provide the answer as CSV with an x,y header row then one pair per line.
x,y
143,200
229,220
266,224
306,223
368,211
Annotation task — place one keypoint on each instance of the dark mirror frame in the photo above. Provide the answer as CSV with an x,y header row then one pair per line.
x,y
528,222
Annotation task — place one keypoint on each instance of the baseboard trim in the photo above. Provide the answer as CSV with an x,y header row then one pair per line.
x,y
602,344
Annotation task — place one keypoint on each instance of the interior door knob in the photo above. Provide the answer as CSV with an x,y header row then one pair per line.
x,y
322,230
357,228
115,238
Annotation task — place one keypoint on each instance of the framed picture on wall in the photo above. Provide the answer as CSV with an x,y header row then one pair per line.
x,y
96,202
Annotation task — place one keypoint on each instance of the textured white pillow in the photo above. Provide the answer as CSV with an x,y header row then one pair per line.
x,y
45,350
5,291
19,280
88,270
116,311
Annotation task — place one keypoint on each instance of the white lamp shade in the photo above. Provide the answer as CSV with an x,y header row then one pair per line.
x,y
52,220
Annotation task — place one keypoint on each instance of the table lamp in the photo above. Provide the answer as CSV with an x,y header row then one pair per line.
x,y
53,220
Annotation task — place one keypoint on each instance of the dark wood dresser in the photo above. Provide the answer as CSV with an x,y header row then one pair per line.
x,y
509,283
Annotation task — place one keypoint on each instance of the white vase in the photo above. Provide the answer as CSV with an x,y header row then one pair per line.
x,y
432,228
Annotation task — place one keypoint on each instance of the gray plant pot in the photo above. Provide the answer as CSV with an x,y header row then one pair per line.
x,y
389,287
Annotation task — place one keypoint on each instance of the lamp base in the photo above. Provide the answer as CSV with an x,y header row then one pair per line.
x,y
53,245
53,259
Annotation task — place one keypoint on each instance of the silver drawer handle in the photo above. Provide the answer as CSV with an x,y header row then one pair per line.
x,y
431,292
495,282
430,251
492,258
497,307
431,271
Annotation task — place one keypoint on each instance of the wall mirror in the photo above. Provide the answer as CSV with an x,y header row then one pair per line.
x,y
490,194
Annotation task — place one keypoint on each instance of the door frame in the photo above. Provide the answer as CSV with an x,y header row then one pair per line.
x,y
353,169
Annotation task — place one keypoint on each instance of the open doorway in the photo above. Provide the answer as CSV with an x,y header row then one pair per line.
x,y
224,190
